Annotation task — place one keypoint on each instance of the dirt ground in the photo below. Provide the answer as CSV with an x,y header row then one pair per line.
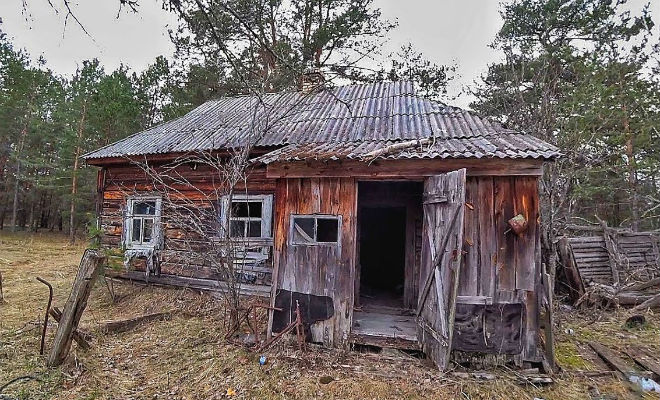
x,y
186,357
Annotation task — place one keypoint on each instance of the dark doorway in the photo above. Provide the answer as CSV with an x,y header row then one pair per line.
x,y
382,256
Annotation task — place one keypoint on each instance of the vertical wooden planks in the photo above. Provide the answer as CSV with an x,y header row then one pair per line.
x,y
322,270
526,203
487,237
469,279
506,269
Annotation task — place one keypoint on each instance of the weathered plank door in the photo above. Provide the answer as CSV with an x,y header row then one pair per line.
x,y
442,244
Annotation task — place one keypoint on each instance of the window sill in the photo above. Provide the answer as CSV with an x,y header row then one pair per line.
x,y
245,241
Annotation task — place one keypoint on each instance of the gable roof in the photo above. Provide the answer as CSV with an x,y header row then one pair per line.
x,y
344,117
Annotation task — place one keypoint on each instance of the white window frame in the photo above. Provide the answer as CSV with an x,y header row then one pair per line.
x,y
316,217
130,218
266,218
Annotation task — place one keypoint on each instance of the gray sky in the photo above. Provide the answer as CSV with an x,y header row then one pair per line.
x,y
446,31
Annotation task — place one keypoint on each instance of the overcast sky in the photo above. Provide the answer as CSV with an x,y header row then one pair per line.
x,y
446,31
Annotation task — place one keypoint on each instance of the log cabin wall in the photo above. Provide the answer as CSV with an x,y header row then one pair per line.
x,y
178,263
320,270
500,272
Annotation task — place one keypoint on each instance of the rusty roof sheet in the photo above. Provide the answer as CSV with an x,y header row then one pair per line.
x,y
346,115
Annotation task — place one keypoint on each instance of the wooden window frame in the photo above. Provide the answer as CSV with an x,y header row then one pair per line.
x,y
130,218
266,218
316,217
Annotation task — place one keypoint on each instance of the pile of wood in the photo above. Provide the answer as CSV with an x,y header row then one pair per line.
x,y
617,267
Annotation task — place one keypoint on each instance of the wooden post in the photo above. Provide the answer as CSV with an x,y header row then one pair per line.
x,y
90,265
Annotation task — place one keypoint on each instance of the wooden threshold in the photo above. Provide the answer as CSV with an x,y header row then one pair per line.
x,y
384,330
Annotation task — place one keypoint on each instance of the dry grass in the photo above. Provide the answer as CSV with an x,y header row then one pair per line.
x,y
186,358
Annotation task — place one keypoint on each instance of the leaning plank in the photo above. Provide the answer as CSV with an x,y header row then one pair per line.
x,y
123,325
612,359
90,265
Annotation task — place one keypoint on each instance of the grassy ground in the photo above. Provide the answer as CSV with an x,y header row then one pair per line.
x,y
186,357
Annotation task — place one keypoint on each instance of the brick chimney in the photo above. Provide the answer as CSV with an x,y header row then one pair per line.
x,y
311,81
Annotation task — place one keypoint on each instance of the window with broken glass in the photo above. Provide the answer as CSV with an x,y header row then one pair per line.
x,y
247,216
315,229
142,225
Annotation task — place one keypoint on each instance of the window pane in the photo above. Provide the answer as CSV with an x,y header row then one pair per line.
x,y
246,209
236,228
303,229
137,228
254,229
148,229
144,208
327,230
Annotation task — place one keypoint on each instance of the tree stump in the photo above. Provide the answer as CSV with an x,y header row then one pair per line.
x,y
90,265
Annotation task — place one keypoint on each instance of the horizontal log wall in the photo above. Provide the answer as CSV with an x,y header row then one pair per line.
x,y
191,187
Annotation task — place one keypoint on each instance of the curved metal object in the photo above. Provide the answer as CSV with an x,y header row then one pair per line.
x,y
50,301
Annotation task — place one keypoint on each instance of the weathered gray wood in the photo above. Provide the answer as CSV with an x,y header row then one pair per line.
x,y
612,359
123,325
441,263
645,360
653,302
90,266
81,338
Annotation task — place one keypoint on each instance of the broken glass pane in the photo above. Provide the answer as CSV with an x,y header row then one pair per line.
x,y
303,229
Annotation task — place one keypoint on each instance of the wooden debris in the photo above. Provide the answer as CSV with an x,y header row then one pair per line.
x,y
653,302
90,266
396,147
645,360
123,325
79,336
612,359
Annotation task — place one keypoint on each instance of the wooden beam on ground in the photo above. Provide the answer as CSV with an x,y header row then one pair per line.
x,y
123,325
653,302
612,359
645,360
90,266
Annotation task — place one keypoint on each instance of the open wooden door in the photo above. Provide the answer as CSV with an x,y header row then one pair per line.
x,y
442,244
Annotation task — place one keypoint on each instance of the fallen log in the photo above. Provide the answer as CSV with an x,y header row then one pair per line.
x,y
642,285
90,266
123,325
653,302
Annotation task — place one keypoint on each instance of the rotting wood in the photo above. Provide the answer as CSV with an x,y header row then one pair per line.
x,y
2,295
612,359
645,360
396,147
90,266
123,325
441,255
653,302
82,338
50,301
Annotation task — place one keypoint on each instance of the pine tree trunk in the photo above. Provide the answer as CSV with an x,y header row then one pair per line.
x,y
17,183
632,172
74,176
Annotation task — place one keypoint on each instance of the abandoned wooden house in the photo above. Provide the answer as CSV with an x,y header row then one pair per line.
x,y
393,220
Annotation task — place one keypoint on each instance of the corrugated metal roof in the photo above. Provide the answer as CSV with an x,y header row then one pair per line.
x,y
500,146
377,112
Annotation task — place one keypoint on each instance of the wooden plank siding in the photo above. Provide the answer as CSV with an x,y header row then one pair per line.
x,y
320,270
498,266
